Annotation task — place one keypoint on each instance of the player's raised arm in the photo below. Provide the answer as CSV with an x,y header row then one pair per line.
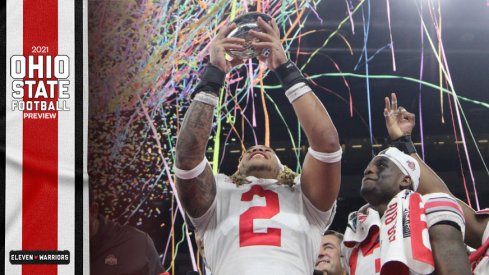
x,y
320,179
446,240
400,124
196,185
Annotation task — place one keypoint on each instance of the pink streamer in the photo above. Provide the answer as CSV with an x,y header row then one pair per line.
x,y
251,92
351,17
172,184
456,103
458,153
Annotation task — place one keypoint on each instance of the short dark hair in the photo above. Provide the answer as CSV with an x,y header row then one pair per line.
x,y
336,233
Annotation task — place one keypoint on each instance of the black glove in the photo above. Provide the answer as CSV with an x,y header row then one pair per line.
x,y
211,81
289,75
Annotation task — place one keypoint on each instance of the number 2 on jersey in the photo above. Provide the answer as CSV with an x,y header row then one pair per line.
x,y
246,235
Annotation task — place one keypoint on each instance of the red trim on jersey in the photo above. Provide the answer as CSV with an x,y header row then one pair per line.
x,y
443,203
40,144
367,247
397,268
371,243
480,253
419,250
353,261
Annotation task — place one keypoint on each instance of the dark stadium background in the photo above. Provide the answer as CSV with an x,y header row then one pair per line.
x,y
466,40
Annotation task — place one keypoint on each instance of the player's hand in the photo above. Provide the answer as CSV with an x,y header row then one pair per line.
x,y
269,39
398,121
222,44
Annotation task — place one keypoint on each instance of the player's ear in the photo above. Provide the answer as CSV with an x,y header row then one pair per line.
x,y
406,183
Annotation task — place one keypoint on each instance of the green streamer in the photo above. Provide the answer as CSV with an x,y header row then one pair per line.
x,y
177,246
233,10
298,164
410,79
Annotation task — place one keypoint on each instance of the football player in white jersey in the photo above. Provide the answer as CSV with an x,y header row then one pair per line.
x,y
262,220
429,232
476,222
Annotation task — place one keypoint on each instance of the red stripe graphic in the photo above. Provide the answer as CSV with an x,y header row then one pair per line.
x,y
444,203
40,142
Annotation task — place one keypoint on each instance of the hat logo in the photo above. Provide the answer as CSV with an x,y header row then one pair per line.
x,y
411,165
110,260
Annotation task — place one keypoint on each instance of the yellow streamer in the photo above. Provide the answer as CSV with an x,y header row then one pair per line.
x,y
198,260
217,137
233,10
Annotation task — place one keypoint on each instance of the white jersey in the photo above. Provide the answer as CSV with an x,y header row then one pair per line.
x,y
261,228
366,257
482,267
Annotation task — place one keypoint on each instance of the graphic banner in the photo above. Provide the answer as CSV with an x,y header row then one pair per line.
x,y
44,109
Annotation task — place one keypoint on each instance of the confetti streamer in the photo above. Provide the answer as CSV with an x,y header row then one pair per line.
x,y
149,56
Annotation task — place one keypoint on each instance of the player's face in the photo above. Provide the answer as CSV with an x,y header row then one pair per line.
x,y
329,258
381,181
259,161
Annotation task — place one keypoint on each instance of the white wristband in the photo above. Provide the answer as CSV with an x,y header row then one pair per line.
x,y
190,174
296,91
207,98
326,157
